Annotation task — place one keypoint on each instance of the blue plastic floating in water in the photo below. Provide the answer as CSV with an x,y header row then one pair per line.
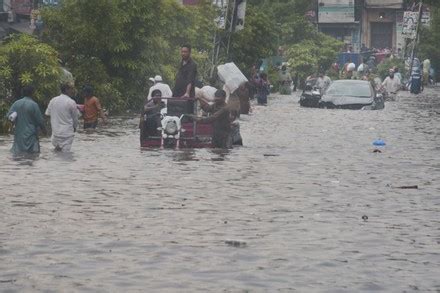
x,y
379,142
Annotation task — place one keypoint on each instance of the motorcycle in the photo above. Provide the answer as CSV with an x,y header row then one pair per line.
x,y
171,130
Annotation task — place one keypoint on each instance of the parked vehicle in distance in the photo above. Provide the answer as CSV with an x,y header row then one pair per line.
x,y
352,94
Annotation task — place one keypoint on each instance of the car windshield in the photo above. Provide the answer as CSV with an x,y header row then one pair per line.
x,y
358,89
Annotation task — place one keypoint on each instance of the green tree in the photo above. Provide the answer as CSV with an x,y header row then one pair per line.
x,y
255,41
311,55
117,44
430,39
25,60
384,67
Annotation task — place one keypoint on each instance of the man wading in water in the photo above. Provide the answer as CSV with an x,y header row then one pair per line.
x,y
92,109
220,118
27,117
63,118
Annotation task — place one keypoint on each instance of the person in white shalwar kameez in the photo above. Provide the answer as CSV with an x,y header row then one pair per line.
x,y
63,114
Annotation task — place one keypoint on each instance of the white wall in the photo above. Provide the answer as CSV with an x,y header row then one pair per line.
x,y
6,5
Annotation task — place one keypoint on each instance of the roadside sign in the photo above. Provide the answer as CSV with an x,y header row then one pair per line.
x,y
410,20
426,18
222,6
241,13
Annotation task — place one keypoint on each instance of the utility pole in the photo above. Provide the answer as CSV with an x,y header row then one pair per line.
x,y
222,36
416,41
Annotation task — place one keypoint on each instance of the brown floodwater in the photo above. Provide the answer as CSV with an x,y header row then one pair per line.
x,y
305,205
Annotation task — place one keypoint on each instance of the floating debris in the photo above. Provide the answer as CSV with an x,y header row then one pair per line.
x,y
379,142
236,243
408,187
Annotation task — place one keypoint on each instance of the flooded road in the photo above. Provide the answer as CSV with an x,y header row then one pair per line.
x,y
305,206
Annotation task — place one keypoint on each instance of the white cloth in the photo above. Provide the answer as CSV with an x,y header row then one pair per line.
x,y
63,144
207,93
399,75
392,85
63,116
164,89
323,83
426,66
228,92
231,75
351,67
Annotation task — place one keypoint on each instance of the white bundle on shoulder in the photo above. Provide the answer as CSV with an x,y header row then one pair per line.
x,y
231,75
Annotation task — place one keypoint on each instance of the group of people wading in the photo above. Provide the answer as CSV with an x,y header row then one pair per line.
x,y
28,121
223,108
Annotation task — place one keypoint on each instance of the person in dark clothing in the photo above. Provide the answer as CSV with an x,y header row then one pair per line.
x,y
415,85
186,75
263,89
150,118
220,118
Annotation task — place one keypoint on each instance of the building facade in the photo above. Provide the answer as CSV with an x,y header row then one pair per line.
x,y
341,20
373,23
382,24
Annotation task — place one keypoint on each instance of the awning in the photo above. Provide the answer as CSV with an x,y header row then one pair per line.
x,y
384,4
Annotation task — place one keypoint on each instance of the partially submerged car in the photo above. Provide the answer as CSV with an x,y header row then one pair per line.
x,y
351,94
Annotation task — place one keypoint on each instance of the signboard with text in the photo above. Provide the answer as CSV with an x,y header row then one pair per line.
x,y
23,7
241,14
409,26
222,6
426,18
336,11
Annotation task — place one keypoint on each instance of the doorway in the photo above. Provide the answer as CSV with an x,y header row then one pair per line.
x,y
381,35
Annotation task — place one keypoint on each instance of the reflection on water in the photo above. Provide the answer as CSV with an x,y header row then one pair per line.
x,y
306,205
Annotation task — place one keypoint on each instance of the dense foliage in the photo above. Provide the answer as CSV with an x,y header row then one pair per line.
x,y
384,67
312,55
270,24
25,60
256,41
116,45
430,39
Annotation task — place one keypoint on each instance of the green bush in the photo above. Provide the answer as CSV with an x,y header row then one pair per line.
x,y
311,55
116,45
4,108
384,67
25,60
274,78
